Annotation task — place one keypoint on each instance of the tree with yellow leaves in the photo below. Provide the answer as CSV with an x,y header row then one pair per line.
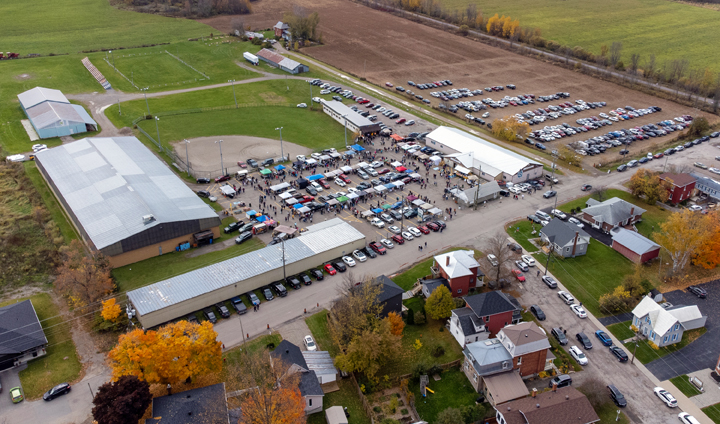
x,y
111,310
682,234
173,353
648,184
510,128
397,325
494,25
708,253
84,279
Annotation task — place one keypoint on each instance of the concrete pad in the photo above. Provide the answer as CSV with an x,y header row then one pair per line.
x,y
30,130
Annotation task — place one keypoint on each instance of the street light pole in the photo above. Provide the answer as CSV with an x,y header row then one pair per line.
x,y
233,88
187,159
282,152
345,116
222,168
283,253
547,263
157,127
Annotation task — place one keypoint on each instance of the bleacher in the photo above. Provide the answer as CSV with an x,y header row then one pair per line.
x,y
96,73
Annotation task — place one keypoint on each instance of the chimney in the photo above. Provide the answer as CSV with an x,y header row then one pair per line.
x,y
447,260
567,397
577,234
537,405
631,211
534,392
554,388
287,352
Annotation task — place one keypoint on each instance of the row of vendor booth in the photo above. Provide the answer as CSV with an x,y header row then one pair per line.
x,y
263,222
425,211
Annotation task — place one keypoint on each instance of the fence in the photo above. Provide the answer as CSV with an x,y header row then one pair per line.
x,y
365,404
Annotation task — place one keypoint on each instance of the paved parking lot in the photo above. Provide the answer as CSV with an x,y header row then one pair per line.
x,y
703,352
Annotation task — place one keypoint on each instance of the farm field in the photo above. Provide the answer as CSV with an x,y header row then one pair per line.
x,y
71,26
669,30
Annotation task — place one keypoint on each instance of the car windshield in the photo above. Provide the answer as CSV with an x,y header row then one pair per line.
x,y
310,343
581,355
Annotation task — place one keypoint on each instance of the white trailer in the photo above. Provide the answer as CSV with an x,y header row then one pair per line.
x,y
251,58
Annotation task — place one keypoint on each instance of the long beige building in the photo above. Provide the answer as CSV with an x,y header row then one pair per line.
x,y
181,295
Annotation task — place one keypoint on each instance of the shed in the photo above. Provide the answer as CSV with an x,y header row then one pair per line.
x,y
335,415
634,246
322,363
655,295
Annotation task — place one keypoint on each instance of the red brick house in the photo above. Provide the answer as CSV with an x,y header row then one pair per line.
x,y
612,213
528,346
682,186
280,29
459,268
483,316
634,246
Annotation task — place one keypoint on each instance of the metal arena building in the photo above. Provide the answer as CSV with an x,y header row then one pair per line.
x,y
355,122
124,201
187,293
52,115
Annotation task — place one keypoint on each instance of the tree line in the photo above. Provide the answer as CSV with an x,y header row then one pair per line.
x,y
191,8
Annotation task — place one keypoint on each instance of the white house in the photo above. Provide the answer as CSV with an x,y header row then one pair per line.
x,y
665,326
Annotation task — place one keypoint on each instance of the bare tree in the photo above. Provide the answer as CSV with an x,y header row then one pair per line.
x,y
497,245
716,97
634,63
615,53
649,68
238,26
354,312
595,391
679,68
600,194
471,13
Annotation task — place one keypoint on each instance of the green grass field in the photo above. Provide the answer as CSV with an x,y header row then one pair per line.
x,y
53,368
713,412
70,26
51,203
453,390
667,29
685,386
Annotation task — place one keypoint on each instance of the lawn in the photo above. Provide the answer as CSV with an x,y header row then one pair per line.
x,y
608,413
664,28
644,352
685,386
319,328
521,231
51,203
453,390
70,26
348,397
253,346
169,265
713,412
651,219
407,278
61,364
621,330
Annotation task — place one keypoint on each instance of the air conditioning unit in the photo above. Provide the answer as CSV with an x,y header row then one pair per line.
x,y
148,218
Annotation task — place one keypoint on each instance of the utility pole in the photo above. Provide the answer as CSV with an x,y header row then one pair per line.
x,y
222,168
113,59
119,109
233,88
634,350
666,159
283,253
282,153
144,90
187,159
132,78
157,127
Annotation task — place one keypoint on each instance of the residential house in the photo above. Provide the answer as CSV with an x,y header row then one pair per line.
x,y
564,405
322,364
390,295
634,246
282,30
528,345
205,405
430,284
483,316
459,268
655,295
489,368
310,389
682,188
567,239
707,186
611,213
21,335
665,326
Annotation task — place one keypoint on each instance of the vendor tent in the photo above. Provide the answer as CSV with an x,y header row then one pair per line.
x,y
285,229
423,157
332,202
401,169
279,187
411,198
415,175
315,177
279,167
377,210
434,211
342,199
380,188
386,206
262,218
297,205
329,174
435,160
399,183
285,195
357,148
362,165
304,209
396,137
250,214
291,201
324,157
266,172
346,169
418,202
389,186
365,214
369,190
426,206
352,196
396,164
310,161
335,155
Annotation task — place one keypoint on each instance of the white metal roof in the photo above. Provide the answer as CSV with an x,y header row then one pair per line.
x,y
634,241
110,184
52,114
460,263
488,157
319,361
38,95
352,116
205,280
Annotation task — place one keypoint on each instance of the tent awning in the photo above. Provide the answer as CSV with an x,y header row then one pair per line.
x,y
415,175
389,186
352,196
396,164
297,205
365,214
412,198
380,188
280,167
435,211
357,148
335,155
285,195
346,169
315,177
291,201
362,165
304,209
426,206
418,202
401,169
266,171
332,202
310,161
377,210
342,199
324,157
396,137
279,187
399,183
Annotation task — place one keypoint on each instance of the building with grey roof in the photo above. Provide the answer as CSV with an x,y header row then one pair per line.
x,y
205,405
566,238
346,116
52,115
124,202
21,335
634,246
189,292
611,213
707,186
292,357
282,62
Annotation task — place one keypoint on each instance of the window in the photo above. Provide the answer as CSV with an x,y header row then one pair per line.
x,y
653,336
505,365
677,326
459,290
674,337
476,338
567,249
309,401
487,318
519,361
665,339
475,378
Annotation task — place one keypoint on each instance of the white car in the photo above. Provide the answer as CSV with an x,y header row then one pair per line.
x,y
316,186
339,182
394,229
348,260
376,164
666,397
714,170
15,158
566,297
316,156
39,147
310,343
387,243
576,222
579,311
407,236
695,208
579,356
414,231
302,105
686,418
360,256
492,259
316,99
378,223
301,158
324,91
353,190
558,213
486,114
528,260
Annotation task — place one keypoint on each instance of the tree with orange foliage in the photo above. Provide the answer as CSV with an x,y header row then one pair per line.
x,y
111,310
84,279
271,390
681,235
510,128
494,25
708,254
397,325
173,353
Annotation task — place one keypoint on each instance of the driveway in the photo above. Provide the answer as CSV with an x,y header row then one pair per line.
x,y
703,352
9,379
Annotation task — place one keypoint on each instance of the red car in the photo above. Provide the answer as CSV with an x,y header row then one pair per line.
x,y
519,275
323,183
398,239
365,101
306,199
423,229
242,164
344,178
433,226
329,269
222,178
388,84
400,121
377,247
659,155
383,171
370,105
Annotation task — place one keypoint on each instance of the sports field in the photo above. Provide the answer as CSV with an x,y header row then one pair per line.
x,y
668,29
153,68
70,26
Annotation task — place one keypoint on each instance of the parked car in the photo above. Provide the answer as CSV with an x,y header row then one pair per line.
x,y
617,397
398,239
686,418
586,187
559,335
209,315
279,289
619,353
539,314
604,338
529,260
349,261
550,193
203,193
522,265
294,282
665,396
317,274
238,305
394,229
340,266
698,291
562,380
223,310
59,390
254,300
566,297
203,180
243,237
367,251
579,311
232,227
549,281
387,243
514,247
414,231
377,247
16,395
492,259
519,275
559,214
191,318
310,343
584,340
579,356
305,278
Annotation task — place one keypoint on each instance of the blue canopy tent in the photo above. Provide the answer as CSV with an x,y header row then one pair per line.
x,y
262,218
377,210
250,214
357,148
316,177
390,186
279,168
297,206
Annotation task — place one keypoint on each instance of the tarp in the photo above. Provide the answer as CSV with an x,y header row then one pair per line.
x,y
285,195
342,199
347,169
380,188
291,201
266,172
310,161
250,214
396,137
357,148
401,169
297,205
396,164
279,167
304,209
377,210
315,177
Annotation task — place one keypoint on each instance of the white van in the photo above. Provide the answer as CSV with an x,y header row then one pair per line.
x,y
241,174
